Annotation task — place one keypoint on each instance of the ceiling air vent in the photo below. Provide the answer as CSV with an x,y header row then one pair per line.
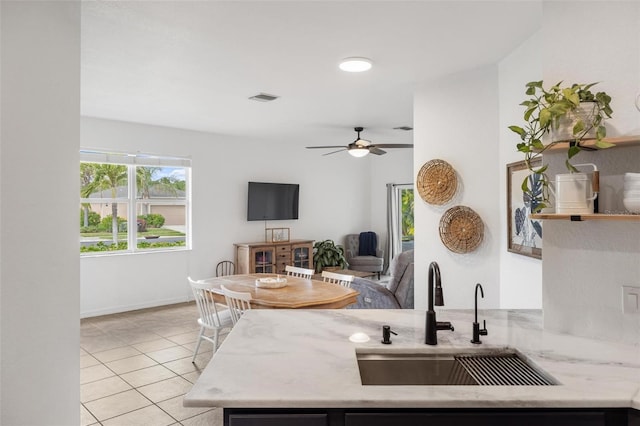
x,y
264,97
407,128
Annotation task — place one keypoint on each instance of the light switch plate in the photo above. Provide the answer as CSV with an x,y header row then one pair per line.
x,y
630,299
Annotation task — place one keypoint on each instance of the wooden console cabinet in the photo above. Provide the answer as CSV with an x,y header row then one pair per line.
x,y
265,257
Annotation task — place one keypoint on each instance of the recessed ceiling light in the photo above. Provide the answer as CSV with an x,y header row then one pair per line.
x,y
355,64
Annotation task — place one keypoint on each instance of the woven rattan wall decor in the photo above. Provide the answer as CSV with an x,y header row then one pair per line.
x,y
437,182
461,229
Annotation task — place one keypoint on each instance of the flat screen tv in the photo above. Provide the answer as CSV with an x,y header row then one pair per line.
x,y
272,201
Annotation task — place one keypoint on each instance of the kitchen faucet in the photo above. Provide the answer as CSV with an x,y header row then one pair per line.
x,y
432,326
476,327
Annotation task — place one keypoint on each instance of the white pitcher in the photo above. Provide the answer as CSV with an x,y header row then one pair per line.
x,y
575,193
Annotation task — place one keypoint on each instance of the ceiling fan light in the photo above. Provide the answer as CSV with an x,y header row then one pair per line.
x,y
358,152
355,64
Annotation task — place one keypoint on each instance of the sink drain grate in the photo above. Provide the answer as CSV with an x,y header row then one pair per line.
x,y
502,370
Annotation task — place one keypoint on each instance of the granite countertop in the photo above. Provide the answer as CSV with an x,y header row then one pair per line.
x,y
304,358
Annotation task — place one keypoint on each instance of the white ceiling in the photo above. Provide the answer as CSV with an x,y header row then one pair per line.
x,y
193,65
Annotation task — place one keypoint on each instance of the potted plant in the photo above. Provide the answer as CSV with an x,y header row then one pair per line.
x,y
549,113
327,253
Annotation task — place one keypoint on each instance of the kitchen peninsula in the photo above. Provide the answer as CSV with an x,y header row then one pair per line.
x,y
302,365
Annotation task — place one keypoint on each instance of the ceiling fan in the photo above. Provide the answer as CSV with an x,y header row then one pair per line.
x,y
361,147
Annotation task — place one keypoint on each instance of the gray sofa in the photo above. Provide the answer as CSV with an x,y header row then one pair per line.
x,y
397,295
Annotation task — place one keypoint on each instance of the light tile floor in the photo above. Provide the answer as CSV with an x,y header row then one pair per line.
x,y
135,368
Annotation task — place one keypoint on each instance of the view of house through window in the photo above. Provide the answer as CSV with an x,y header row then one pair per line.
x,y
406,218
117,190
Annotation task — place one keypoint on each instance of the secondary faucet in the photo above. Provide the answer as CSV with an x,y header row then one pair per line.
x,y
476,327
432,326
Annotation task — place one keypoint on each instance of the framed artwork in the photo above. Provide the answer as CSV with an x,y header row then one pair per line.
x,y
276,234
523,233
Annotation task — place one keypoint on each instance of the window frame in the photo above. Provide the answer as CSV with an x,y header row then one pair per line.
x,y
132,161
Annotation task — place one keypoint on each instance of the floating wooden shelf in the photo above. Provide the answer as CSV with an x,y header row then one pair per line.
x,y
590,216
619,142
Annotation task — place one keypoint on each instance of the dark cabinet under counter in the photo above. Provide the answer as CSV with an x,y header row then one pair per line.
x,y
276,419
482,418
432,417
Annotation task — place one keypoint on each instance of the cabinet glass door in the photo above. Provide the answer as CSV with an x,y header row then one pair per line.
x,y
301,257
264,261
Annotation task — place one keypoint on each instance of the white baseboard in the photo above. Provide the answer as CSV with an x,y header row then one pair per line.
x,y
127,308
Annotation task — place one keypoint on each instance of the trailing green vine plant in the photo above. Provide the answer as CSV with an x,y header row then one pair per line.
x,y
545,110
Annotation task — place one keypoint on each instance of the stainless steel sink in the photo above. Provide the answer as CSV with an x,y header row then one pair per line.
x,y
504,368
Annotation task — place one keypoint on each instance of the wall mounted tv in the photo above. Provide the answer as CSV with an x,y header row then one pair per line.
x,y
272,201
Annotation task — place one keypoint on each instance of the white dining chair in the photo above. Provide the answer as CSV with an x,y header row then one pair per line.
x,y
238,302
334,278
294,271
210,318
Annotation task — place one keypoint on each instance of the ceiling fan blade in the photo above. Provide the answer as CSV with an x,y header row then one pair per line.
x,y
377,151
333,152
393,145
326,146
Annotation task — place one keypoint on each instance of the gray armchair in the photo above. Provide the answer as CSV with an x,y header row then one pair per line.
x,y
362,262
397,295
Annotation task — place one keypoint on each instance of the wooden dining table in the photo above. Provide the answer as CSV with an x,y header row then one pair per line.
x,y
299,293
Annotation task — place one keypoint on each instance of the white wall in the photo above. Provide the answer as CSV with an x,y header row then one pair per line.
x,y
456,120
1,223
608,54
520,276
336,198
39,279
585,264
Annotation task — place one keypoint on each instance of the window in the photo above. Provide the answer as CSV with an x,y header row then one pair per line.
x,y
119,189
400,227
406,217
